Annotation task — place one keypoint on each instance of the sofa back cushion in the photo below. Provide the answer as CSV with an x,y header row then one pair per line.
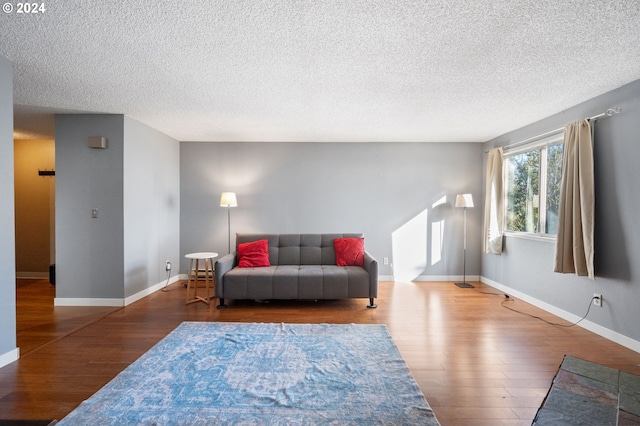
x,y
298,249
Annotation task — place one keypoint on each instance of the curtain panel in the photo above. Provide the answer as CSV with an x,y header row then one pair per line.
x,y
574,242
493,227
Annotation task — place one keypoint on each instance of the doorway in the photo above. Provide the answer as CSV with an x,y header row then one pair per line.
x,y
34,189
34,169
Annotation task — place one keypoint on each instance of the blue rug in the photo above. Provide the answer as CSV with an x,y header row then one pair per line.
x,y
276,374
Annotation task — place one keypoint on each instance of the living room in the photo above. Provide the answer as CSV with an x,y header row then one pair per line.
x,y
158,199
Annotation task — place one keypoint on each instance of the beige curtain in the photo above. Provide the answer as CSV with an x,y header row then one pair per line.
x,y
494,204
574,243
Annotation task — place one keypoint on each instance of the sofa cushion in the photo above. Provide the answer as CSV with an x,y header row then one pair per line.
x,y
349,251
253,254
297,282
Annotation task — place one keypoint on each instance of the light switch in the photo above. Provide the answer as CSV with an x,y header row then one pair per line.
x,y
94,213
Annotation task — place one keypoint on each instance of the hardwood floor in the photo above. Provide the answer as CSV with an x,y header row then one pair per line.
x,y
39,322
476,362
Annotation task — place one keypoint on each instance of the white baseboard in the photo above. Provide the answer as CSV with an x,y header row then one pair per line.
x,y
454,278
147,291
69,301
9,357
79,301
568,316
433,278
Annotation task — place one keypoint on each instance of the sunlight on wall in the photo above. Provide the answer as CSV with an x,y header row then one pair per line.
x,y
437,234
409,247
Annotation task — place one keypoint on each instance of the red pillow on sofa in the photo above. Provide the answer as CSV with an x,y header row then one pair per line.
x,y
253,254
349,251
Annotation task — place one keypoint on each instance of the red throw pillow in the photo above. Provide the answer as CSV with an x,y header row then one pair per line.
x,y
349,251
253,254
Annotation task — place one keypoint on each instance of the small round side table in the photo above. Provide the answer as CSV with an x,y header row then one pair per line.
x,y
194,269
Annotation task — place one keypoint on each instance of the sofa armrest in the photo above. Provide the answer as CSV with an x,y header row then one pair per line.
x,y
371,266
222,266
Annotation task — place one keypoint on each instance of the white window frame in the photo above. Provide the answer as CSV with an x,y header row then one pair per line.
x,y
542,145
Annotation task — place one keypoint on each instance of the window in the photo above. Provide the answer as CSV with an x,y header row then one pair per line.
x,y
533,174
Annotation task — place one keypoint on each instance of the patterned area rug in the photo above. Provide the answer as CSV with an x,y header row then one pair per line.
x,y
584,393
277,374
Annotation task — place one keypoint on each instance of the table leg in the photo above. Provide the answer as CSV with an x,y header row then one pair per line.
x,y
191,276
193,280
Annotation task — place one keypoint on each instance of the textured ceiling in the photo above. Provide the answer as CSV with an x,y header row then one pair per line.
x,y
312,70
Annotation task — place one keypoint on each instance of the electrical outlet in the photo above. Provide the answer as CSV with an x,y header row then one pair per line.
x,y
385,260
597,299
167,266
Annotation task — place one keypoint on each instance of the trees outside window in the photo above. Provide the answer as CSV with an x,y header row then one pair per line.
x,y
554,177
533,188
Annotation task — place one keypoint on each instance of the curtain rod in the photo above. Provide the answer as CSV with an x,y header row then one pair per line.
x,y
607,113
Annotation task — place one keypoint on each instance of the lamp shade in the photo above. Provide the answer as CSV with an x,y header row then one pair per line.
x,y
464,200
228,199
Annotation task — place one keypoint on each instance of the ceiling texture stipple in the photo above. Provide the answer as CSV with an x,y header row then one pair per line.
x,y
319,71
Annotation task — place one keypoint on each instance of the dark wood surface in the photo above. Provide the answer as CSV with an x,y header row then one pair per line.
x,y
476,362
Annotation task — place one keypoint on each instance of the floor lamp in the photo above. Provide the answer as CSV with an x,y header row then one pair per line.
x,y
228,200
464,201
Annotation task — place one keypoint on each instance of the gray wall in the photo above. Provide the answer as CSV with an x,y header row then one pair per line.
x,y
527,265
134,184
151,205
385,190
89,252
7,236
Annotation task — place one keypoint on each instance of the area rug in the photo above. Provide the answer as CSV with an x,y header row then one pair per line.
x,y
584,393
275,374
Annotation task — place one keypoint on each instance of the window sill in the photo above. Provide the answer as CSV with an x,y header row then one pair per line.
x,y
528,236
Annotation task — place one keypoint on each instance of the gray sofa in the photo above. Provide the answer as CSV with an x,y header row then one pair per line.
x,y
303,266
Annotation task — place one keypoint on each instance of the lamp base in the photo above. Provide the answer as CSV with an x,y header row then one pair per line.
x,y
464,285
